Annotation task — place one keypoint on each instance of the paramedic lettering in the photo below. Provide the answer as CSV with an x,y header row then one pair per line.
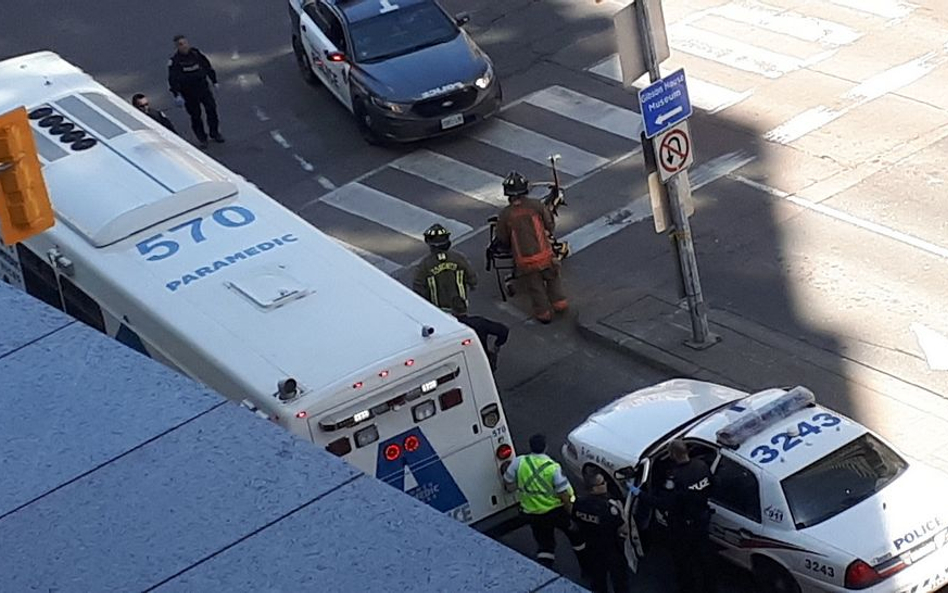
x,y
220,264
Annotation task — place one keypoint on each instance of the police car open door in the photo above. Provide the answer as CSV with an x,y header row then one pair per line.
x,y
324,43
633,542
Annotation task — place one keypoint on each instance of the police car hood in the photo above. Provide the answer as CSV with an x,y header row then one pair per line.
x,y
431,71
631,424
901,518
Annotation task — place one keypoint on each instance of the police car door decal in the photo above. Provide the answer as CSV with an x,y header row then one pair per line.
x,y
411,450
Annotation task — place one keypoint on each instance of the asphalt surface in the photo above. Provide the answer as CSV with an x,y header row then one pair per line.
x,y
820,135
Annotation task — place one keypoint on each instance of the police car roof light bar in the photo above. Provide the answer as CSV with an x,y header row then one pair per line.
x,y
754,421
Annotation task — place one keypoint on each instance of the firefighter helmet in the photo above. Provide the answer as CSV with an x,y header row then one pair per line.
x,y
515,184
438,237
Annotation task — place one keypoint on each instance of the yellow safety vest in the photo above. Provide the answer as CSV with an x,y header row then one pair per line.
x,y
535,482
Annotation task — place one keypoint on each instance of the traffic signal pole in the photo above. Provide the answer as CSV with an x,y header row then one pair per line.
x,y
678,188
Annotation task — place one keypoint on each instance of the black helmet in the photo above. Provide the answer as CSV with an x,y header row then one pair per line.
x,y
515,184
438,237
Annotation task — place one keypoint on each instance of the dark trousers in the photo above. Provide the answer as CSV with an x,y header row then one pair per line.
x,y
193,101
544,528
693,559
607,563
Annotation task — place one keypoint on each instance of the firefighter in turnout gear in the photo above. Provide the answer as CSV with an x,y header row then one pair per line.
x,y
444,273
526,226
546,500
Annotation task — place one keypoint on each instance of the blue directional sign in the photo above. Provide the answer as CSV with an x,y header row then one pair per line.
x,y
664,103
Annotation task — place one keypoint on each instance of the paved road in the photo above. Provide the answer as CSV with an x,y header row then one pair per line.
x,y
820,137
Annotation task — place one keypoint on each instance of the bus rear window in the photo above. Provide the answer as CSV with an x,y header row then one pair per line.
x,y
841,480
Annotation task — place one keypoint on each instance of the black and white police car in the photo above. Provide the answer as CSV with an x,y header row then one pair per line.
x,y
806,498
404,68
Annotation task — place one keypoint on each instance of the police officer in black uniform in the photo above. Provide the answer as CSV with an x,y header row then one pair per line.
x,y
188,74
599,519
141,102
684,497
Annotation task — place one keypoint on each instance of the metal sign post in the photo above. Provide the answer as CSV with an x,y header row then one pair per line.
x,y
679,190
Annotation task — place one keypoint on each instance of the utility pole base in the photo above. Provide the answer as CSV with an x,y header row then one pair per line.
x,y
709,341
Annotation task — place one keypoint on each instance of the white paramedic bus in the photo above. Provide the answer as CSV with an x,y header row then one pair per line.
x,y
187,262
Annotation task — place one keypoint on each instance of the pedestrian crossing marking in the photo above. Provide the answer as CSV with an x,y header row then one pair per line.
x,y
454,175
787,22
703,94
737,54
382,263
389,211
588,110
887,9
641,208
881,84
537,147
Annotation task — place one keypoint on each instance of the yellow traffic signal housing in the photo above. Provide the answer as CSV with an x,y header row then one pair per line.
x,y
25,209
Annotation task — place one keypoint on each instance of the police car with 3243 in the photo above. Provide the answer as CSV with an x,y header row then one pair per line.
x,y
805,498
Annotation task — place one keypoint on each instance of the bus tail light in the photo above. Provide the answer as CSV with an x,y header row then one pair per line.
x,y
504,451
424,410
393,452
366,436
490,415
340,447
451,398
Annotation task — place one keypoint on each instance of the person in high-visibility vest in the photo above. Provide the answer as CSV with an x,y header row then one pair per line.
x,y
546,500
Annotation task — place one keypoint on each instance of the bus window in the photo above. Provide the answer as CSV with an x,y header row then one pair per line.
x,y
80,305
39,277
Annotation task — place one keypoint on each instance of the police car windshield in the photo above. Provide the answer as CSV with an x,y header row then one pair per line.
x,y
400,31
842,479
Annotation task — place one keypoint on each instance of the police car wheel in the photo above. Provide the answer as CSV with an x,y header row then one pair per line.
x,y
770,576
364,123
303,63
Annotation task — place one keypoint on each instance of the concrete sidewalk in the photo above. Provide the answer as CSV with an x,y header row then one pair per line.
x,y
652,327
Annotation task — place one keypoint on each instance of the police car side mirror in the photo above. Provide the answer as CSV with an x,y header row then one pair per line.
x,y
335,56
624,474
462,18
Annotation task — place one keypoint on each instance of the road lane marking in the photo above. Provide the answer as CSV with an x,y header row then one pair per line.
x,y
641,208
388,211
454,175
703,94
881,84
588,110
879,229
737,54
787,22
382,263
536,147
887,9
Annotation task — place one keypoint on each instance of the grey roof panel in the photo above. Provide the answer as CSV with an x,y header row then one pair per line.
x,y
23,321
166,505
365,537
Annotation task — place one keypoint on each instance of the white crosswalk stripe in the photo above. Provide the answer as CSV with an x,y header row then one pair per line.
x,y
454,175
703,94
641,208
738,54
887,9
588,110
787,22
537,147
398,215
382,263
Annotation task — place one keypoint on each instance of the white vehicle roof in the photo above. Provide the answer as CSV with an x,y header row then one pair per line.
x,y
788,462
309,309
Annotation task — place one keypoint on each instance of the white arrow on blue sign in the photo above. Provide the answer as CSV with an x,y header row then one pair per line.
x,y
664,103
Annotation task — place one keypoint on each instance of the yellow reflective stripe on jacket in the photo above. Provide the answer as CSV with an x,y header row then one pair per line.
x,y
433,290
535,482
